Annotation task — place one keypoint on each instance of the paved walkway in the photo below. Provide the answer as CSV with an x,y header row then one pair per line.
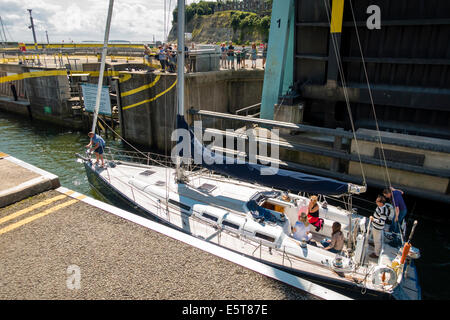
x,y
48,240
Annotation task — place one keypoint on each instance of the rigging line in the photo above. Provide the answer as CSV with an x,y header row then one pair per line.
x,y
123,139
370,94
344,87
168,16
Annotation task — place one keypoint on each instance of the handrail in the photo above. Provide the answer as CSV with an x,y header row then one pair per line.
x,y
325,131
248,108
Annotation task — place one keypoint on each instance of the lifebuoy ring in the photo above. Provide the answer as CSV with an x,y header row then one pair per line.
x,y
384,276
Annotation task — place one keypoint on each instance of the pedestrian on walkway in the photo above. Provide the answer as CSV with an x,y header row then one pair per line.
x,y
162,58
238,59
223,57
244,56
254,53
230,54
264,55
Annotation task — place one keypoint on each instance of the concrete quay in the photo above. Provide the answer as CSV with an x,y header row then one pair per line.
x,y
60,244
21,180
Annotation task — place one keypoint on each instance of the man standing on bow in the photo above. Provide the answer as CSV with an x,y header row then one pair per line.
x,y
97,144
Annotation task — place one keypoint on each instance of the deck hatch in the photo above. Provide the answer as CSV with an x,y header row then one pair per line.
x,y
206,187
160,183
147,173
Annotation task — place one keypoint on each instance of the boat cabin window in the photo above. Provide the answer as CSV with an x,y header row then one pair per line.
x,y
229,224
210,217
264,237
180,205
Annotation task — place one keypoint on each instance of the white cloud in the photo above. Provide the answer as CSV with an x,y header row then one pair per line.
x,y
133,20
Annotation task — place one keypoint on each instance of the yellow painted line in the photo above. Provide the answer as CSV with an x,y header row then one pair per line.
x,y
337,15
81,45
51,73
139,89
36,216
3,155
68,193
81,197
124,77
29,209
152,99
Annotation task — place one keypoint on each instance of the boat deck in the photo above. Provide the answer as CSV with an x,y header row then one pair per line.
x,y
117,177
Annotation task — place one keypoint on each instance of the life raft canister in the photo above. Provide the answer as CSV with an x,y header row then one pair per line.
x,y
384,276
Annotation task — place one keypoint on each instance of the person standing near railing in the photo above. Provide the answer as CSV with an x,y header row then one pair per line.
x,y
396,197
254,55
378,220
230,54
97,144
264,55
223,57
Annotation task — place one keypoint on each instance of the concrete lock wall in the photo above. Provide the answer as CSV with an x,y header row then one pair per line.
x,y
148,116
431,159
47,96
5,89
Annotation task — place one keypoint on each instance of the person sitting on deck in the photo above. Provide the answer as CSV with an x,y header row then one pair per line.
x,y
98,144
313,214
302,229
336,244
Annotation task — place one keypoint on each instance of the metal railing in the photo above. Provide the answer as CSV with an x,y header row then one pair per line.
x,y
143,158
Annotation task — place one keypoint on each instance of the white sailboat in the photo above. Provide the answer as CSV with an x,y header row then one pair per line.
x,y
249,215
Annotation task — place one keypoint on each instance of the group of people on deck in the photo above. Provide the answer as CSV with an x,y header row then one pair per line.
x,y
302,228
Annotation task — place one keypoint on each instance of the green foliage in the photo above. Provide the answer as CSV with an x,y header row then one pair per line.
x,y
202,8
245,25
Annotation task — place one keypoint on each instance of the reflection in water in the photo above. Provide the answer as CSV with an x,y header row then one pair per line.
x,y
53,149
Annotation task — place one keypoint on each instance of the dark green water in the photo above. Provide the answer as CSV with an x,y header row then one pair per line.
x,y
53,149
47,147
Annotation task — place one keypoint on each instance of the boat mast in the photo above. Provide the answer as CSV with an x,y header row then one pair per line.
x,y
102,65
180,75
180,58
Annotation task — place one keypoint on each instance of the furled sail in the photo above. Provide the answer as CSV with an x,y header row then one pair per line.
x,y
256,173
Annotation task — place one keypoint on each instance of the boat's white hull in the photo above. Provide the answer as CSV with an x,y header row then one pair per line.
x,y
287,254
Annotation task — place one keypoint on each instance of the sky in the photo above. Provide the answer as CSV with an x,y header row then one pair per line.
x,y
78,20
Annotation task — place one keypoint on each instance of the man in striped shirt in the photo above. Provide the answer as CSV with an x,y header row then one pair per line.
x,y
378,220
